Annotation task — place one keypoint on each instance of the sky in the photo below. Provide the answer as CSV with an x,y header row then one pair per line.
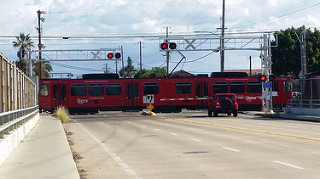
x,y
145,21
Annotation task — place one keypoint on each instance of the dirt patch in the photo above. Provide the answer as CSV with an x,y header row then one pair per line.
x,y
76,156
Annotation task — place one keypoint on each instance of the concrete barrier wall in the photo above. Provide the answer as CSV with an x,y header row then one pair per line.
x,y
303,111
8,144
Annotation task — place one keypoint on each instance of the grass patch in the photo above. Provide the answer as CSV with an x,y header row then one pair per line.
x,y
62,113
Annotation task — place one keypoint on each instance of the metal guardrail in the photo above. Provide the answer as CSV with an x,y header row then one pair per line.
x,y
303,103
13,119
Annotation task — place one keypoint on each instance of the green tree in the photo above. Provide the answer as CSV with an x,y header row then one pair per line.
x,y
156,72
128,71
313,50
23,43
286,57
45,68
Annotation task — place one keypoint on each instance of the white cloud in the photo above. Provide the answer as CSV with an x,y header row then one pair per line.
x,y
95,17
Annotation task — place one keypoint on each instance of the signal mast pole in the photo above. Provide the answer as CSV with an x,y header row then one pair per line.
x,y
167,52
222,38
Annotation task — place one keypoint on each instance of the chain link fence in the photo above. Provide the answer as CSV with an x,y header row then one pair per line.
x,y
305,93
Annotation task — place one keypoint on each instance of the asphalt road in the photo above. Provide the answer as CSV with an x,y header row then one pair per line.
x,y
192,145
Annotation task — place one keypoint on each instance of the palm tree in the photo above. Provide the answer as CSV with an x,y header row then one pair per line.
x,y
23,43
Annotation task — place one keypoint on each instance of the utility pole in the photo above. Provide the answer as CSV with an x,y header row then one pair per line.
x,y
140,57
222,38
40,44
250,67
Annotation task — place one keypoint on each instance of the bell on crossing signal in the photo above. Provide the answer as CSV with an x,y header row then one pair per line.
x,y
110,55
167,45
262,78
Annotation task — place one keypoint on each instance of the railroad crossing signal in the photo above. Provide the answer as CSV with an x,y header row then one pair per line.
x,y
190,45
116,55
168,45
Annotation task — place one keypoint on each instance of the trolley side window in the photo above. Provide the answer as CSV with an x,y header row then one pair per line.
x,y
183,88
237,87
136,90
78,89
95,89
44,90
220,87
113,89
151,88
286,86
254,87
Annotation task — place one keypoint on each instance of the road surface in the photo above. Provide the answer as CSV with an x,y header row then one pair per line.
x,y
192,145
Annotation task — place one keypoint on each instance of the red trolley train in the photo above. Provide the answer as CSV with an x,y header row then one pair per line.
x,y
104,92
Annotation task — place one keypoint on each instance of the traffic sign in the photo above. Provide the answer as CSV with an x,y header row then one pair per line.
x,y
267,85
150,107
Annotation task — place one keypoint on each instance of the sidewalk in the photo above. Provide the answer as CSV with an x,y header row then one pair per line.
x,y
43,154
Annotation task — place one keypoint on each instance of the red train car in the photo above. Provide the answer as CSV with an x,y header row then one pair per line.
x,y
94,93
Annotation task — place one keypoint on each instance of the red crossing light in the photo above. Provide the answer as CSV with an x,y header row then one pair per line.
x,y
164,46
172,45
117,55
262,78
110,55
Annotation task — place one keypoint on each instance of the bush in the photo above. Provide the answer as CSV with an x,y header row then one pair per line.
x,y
62,114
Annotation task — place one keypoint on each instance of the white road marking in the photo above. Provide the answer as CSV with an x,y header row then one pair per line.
x,y
128,122
198,140
174,134
114,156
231,149
289,165
144,126
156,129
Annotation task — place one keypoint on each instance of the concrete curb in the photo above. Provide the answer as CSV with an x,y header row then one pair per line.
x,y
11,141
